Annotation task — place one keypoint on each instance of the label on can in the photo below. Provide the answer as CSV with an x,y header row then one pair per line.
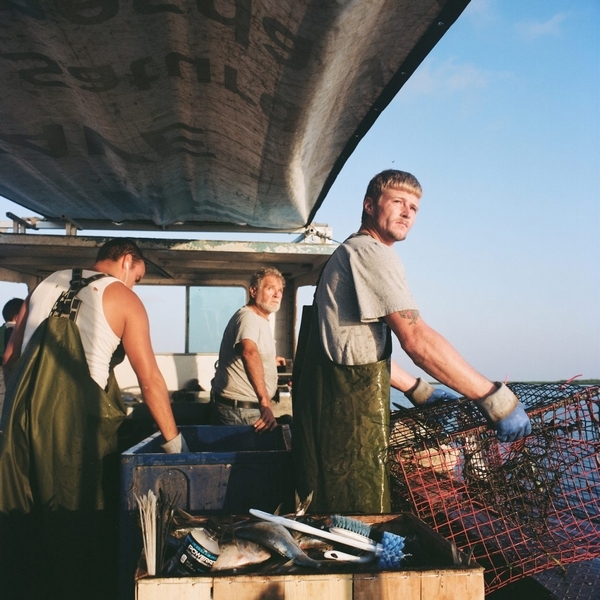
x,y
193,556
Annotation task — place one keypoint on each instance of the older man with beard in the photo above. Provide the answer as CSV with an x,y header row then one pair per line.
x,y
246,378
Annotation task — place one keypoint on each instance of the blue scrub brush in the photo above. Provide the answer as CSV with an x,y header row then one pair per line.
x,y
389,545
388,551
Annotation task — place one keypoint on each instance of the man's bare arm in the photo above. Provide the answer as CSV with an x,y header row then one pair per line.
x,y
400,379
435,355
254,368
412,315
14,347
128,318
255,371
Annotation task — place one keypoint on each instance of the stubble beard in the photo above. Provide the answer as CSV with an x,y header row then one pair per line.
x,y
400,236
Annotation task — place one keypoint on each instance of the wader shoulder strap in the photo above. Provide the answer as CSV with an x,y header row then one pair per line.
x,y
67,305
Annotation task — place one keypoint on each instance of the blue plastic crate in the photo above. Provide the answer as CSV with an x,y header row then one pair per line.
x,y
228,470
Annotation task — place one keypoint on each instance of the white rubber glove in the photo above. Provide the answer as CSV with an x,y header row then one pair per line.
x,y
175,446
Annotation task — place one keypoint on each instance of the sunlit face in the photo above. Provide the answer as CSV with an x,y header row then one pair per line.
x,y
134,273
393,216
267,297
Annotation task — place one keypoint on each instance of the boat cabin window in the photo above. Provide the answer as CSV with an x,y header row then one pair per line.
x,y
209,311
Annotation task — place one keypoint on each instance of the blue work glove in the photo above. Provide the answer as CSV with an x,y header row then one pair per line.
x,y
505,414
513,427
440,395
425,394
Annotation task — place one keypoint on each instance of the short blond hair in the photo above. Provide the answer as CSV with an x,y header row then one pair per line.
x,y
398,180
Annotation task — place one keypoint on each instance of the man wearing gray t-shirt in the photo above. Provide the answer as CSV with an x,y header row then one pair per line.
x,y
246,377
341,402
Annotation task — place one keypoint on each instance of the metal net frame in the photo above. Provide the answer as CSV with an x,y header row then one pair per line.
x,y
518,508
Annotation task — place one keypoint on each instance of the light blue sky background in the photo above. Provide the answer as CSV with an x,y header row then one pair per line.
x,y
501,125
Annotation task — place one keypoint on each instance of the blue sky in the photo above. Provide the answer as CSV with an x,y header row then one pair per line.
x,y
501,125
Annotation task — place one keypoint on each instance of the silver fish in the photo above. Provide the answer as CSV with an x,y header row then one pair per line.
x,y
238,554
308,542
277,538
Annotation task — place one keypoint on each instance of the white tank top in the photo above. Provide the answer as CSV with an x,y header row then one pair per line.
x,y
98,339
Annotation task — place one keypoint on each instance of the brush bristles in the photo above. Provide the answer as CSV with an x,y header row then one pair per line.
x,y
391,554
350,524
391,545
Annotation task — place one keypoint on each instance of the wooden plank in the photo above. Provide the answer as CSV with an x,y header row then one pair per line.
x,y
288,587
452,585
460,584
248,588
175,588
332,587
388,586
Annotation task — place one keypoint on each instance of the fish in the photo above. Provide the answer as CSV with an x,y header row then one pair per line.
x,y
238,554
302,505
308,542
277,538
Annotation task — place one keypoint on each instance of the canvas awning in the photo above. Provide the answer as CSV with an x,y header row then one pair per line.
x,y
234,112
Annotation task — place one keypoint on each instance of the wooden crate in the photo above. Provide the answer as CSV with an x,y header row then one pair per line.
x,y
449,578
457,584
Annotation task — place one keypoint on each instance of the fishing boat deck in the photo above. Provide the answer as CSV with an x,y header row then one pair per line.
x,y
577,581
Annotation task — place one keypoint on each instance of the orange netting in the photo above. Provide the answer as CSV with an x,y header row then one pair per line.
x,y
519,508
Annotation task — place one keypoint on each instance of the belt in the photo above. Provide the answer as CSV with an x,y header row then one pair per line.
x,y
235,403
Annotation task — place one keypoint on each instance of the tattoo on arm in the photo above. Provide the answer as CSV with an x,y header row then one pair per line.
x,y
413,315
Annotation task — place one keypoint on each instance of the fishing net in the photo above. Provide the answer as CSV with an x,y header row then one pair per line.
x,y
518,508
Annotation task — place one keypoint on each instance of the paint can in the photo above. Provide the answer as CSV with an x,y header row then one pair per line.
x,y
196,554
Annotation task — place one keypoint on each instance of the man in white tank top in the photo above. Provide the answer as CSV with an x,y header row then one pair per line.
x,y
110,313
60,419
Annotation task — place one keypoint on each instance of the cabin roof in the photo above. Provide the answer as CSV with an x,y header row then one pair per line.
x,y
30,258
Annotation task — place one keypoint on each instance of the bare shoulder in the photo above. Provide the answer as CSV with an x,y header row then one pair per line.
x,y
122,307
118,292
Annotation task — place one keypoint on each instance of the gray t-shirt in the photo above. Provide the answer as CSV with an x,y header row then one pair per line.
x,y
362,282
230,379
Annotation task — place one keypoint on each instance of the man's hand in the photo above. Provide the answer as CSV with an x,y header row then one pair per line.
x,y
177,445
513,427
440,395
505,414
267,420
424,393
280,361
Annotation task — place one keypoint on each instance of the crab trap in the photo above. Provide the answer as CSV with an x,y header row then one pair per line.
x,y
518,508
